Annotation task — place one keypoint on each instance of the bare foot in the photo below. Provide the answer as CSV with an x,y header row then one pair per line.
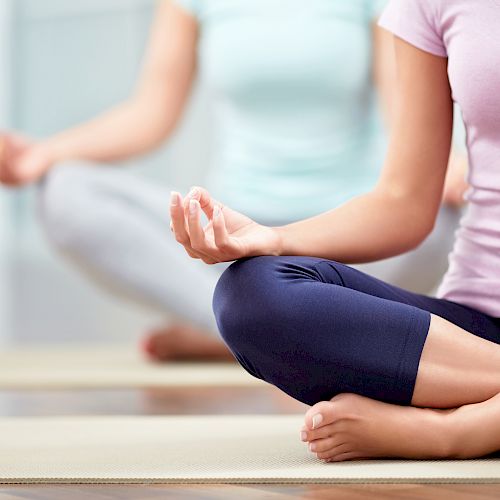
x,y
181,342
353,427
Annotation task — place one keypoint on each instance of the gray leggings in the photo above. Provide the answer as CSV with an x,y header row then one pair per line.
x,y
115,227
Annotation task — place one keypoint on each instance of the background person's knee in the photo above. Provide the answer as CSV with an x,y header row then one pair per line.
x,y
63,203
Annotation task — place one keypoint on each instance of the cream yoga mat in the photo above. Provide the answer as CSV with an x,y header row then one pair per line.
x,y
196,449
89,367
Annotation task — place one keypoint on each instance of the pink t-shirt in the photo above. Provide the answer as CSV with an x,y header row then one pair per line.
x,y
467,33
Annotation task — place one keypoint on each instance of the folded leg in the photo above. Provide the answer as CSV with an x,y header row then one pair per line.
x,y
317,328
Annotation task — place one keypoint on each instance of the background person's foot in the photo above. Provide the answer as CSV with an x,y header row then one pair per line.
x,y
182,342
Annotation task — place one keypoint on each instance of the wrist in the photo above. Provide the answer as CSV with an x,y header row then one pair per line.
x,y
39,158
54,151
278,245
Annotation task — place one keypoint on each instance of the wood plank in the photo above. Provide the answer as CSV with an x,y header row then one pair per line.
x,y
225,492
169,401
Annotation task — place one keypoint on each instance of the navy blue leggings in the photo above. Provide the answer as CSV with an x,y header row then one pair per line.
x,y
316,328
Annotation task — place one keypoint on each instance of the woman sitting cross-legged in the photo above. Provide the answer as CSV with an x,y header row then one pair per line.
x,y
387,372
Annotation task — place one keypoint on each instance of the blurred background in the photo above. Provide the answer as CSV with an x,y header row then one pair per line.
x,y
50,51
62,63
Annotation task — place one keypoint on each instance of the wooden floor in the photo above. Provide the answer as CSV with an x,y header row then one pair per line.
x,y
198,401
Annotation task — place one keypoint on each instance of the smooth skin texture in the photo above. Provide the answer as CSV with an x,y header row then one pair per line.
x,y
158,103
459,374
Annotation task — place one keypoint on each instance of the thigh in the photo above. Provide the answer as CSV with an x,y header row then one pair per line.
x,y
315,328
79,194
115,226
125,187
469,319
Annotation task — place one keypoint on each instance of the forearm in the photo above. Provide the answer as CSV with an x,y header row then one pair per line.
x,y
371,227
149,116
401,210
130,129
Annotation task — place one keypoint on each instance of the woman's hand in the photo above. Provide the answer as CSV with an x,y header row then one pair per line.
x,y
456,184
228,235
22,160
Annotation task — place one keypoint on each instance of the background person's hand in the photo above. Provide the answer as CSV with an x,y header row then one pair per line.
x,y
22,160
228,235
456,184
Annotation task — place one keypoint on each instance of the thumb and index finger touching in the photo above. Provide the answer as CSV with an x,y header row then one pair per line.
x,y
202,196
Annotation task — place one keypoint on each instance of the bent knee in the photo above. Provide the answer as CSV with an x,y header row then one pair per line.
x,y
253,296
63,201
239,297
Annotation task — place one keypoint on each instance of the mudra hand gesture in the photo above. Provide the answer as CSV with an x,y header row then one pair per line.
x,y
22,160
228,235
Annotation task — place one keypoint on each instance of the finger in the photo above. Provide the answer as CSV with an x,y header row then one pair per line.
x,y
178,224
177,218
207,203
7,176
181,231
3,149
221,236
4,158
208,226
197,235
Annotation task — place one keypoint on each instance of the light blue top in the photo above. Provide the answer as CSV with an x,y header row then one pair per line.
x,y
298,131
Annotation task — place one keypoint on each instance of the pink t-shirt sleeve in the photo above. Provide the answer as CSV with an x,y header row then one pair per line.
x,y
416,22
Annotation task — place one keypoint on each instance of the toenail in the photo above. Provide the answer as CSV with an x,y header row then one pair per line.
x,y
316,420
303,436
312,447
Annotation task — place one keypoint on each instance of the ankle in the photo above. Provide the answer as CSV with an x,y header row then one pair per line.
x,y
449,436
440,430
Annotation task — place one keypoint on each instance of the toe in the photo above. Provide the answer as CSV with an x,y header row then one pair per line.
x,y
323,432
339,450
320,414
324,445
343,456
152,348
146,346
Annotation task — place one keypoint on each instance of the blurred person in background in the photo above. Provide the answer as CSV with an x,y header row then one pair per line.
x,y
298,132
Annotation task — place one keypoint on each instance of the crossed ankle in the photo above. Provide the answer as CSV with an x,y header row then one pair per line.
x,y
447,442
